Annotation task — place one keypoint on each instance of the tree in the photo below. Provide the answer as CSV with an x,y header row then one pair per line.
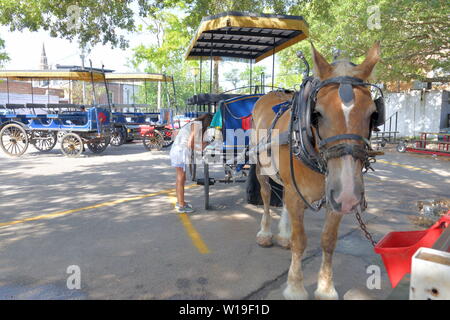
x,y
167,55
3,55
413,34
233,77
255,75
88,21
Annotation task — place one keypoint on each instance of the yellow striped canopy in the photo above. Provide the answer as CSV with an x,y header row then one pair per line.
x,y
246,35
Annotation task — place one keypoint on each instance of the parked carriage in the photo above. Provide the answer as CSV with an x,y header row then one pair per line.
x,y
39,124
433,143
252,37
132,121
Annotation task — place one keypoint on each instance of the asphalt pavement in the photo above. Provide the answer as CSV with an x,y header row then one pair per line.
x,y
112,216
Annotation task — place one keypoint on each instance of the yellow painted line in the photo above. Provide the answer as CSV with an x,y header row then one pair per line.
x,y
190,229
99,205
406,166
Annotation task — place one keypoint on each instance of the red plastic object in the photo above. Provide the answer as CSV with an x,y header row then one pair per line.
x,y
397,248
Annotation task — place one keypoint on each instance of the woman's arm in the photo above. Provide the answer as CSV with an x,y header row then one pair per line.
x,y
191,140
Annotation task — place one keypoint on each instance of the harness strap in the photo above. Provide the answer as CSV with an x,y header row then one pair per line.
x,y
350,136
281,109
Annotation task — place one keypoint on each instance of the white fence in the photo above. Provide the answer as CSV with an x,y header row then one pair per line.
x,y
417,111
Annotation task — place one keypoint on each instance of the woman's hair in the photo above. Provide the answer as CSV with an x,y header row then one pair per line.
x,y
205,119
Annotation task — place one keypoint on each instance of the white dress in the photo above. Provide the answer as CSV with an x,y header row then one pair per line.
x,y
180,153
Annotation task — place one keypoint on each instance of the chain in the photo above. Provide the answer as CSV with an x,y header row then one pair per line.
x,y
364,228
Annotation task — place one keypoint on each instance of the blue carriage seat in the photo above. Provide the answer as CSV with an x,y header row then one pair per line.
x,y
152,117
236,115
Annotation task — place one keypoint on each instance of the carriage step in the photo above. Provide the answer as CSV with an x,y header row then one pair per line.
x,y
201,181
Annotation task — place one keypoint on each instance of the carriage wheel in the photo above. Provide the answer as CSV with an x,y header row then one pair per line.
x,y
98,145
44,141
153,140
118,137
401,147
13,140
168,141
72,145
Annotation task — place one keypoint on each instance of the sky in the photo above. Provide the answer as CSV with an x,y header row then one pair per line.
x,y
24,49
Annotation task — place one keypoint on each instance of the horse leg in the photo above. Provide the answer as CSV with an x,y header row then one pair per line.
x,y
284,226
264,236
295,289
325,286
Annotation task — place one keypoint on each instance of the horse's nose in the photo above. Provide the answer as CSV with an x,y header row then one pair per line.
x,y
345,202
334,205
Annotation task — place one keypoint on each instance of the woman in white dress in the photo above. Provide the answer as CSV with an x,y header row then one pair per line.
x,y
188,136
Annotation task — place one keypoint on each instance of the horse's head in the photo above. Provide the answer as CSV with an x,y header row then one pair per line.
x,y
343,114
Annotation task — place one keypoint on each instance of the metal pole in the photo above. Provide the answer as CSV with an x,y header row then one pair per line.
x,y
145,89
32,95
211,65
7,88
201,64
167,91
211,70
132,83
159,95
106,88
273,65
48,91
94,100
251,76
175,95
83,83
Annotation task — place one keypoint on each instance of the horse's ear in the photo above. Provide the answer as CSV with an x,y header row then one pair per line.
x,y
364,70
321,68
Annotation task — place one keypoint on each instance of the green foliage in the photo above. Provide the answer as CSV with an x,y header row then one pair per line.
x,y
233,77
413,34
167,55
3,55
97,22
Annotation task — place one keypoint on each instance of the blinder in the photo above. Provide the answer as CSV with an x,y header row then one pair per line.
x,y
307,144
379,117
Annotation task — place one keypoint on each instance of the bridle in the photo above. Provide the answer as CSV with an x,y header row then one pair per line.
x,y
304,137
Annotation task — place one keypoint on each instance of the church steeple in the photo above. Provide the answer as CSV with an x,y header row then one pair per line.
x,y
44,62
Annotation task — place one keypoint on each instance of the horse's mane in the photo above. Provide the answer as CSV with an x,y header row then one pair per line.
x,y
341,68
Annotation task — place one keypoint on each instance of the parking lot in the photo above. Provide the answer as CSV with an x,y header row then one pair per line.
x,y
112,216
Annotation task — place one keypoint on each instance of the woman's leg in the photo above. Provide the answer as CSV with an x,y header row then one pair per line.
x,y
181,179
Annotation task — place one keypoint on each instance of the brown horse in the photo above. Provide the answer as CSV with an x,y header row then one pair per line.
x,y
343,182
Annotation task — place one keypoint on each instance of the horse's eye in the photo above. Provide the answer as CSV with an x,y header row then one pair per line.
x,y
315,117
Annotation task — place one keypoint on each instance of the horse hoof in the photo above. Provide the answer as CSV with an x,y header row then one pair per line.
x,y
295,294
326,295
285,243
264,239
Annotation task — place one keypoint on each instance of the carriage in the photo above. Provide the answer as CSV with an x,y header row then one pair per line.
x,y
132,121
244,36
40,123
434,143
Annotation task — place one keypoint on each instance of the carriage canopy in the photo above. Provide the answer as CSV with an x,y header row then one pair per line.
x,y
246,35
76,74
138,76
